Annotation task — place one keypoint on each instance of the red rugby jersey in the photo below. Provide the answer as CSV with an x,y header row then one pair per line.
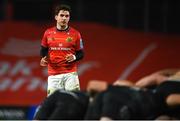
x,y
60,43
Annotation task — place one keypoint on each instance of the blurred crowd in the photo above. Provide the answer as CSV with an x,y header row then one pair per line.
x,y
153,97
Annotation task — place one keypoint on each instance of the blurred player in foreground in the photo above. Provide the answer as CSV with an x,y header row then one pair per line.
x,y
123,101
128,100
63,105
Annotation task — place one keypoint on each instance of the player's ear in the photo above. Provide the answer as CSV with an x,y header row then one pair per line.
x,y
55,17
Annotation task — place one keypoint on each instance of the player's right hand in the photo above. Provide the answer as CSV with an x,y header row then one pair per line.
x,y
44,61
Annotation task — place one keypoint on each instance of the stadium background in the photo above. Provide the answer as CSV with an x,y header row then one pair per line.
x,y
123,39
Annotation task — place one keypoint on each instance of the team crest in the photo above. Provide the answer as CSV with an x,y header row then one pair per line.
x,y
69,39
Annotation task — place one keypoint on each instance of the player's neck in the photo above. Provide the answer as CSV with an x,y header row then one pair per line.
x,y
61,27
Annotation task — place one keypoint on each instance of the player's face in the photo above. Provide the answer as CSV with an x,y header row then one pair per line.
x,y
63,18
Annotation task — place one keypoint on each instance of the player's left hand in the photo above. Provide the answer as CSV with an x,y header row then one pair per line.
x,y
70,58
44,61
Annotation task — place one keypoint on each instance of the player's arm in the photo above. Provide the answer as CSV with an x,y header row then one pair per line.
x,y
168,72
97,86
44,50
76,57
156,78
150,80
79,55
44,54
173,99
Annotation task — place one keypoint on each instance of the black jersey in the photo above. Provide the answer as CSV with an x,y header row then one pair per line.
x,y
63,105
163,91
121,102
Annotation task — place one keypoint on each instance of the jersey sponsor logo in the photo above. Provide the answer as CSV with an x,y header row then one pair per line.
x,y
50,39
69,39
60,48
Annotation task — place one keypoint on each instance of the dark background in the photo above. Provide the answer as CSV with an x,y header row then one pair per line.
x,y
142,15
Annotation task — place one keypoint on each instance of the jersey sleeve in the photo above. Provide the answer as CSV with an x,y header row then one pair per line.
x,y
79,43
44,39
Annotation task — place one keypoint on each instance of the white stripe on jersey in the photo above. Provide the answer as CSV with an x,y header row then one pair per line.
x,y
81,44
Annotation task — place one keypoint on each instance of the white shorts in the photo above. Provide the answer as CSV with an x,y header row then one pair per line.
x,y
67,81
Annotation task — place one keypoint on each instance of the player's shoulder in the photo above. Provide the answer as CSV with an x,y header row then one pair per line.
x,y
50,30
72,29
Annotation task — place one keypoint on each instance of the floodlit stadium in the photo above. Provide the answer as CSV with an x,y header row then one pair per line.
x,y
89,60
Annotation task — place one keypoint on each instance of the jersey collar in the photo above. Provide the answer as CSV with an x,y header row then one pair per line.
x,y
65,30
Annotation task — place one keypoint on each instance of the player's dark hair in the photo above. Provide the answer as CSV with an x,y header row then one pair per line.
x,y
62,7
